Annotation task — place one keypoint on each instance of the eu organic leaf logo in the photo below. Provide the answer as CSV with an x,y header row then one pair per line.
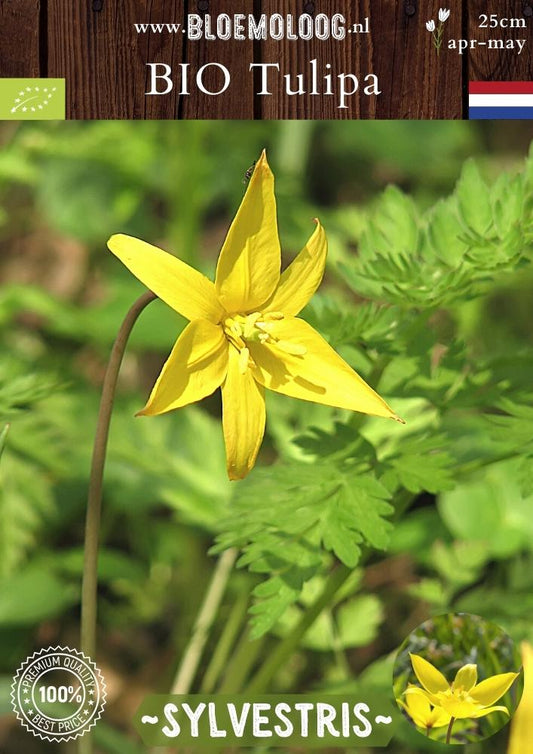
x,y
33,99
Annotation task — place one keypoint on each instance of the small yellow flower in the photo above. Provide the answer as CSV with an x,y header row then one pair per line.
x,y
422,713
522,725
244,335
464,697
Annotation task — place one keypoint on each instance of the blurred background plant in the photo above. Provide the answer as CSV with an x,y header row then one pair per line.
x,y
428,294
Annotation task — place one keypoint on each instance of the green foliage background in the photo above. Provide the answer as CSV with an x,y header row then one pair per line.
x,y
428,294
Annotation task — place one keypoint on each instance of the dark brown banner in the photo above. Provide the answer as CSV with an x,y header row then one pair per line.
x,y
268,58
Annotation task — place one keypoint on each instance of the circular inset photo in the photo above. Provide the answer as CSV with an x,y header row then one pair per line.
x,y
457,678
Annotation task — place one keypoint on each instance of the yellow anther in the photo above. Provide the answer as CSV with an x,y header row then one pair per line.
x,y
265,326
256,327
250,324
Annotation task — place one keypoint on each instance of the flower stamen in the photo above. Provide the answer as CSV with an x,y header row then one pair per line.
x,y
244,360
241,329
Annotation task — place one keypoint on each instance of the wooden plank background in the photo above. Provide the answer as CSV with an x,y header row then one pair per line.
x,y
93,44
20,38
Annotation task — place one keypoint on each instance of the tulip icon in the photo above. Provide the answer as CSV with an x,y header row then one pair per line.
x,y
437,31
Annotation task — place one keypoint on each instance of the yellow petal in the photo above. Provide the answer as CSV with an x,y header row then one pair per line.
x,y
195,368
439,718
457,707
243,417
491,689
316,374
418,708
418,704
302,277
522,724
417,720
428,675
412,690
466,677
176,283
249,262
488,710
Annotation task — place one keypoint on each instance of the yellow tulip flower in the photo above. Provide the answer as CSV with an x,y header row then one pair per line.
x,y
522,725
422,713
244,335
464,697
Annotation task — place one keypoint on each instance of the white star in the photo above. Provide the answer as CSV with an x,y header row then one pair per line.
x,y
40,107
30,712
26,701
24,109
45,89
49,96
13,109
91,701
21,94
85,711
45,102
91,692
36,88
17,100
28,89
33,109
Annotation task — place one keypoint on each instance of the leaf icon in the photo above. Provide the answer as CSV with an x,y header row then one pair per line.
x,y
33,99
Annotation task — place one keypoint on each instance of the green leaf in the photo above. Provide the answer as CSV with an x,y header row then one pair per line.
x,y
394,230
430,591
340,440
416,533
19,390
444,232
513,425
491,510
474,199
287,518
33,595
177,460
460,563
507,203
368,326
354,623
25,500
358,620
420,464
113,565
457,250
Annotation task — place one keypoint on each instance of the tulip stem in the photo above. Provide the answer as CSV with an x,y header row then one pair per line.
x,y
287,646
94,499
449,731
193,653
219,659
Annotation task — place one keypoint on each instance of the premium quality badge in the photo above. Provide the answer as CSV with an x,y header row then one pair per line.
x,y
58,694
